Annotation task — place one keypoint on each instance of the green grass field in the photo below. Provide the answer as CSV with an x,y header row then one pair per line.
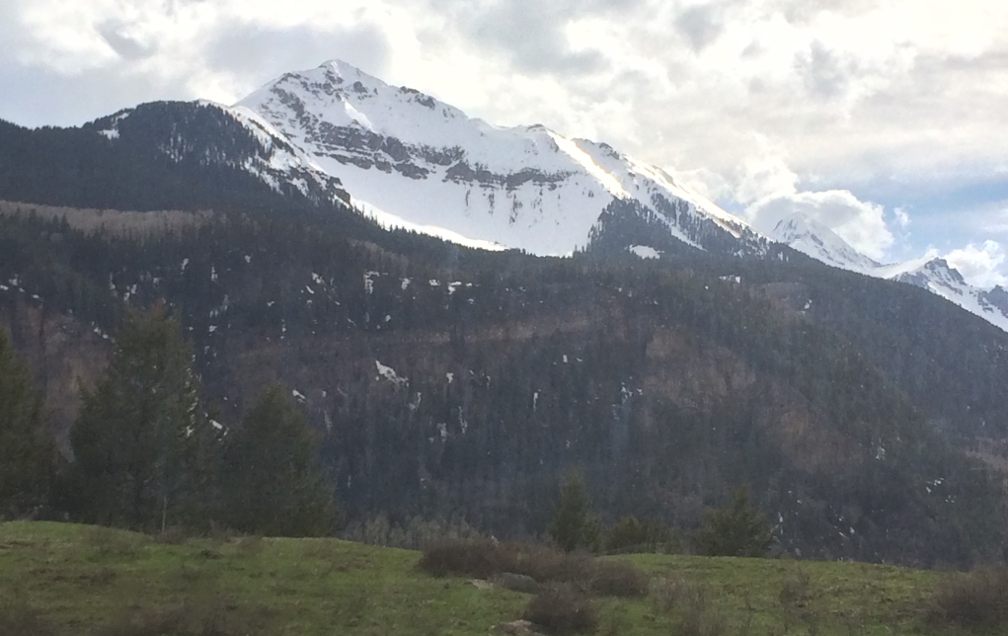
x,y
64,579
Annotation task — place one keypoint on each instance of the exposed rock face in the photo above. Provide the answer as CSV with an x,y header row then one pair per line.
x,y
998,297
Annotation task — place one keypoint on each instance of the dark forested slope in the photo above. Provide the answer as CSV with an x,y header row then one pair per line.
x,y
450,382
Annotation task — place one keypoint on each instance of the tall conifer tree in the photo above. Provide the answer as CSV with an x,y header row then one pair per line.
x,y
140,443
574,526
28,455
271,480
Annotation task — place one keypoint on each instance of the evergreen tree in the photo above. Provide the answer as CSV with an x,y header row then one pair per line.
x,y
574,526
28,455
141,448
651,535
739,529
271,482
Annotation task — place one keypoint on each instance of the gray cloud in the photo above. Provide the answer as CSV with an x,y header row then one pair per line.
x,y
252,51
530,33
824,72
701,24
127,47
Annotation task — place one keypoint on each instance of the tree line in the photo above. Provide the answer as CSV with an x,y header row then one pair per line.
x,y
146,456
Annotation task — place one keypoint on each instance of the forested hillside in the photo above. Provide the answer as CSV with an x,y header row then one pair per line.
x,y
450,382
454,383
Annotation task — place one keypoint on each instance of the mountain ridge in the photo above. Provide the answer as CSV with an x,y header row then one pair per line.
x,y
932,273
399,150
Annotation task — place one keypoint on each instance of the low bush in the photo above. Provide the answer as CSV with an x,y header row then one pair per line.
x,y
612,578
480,559
690,605
173,535
630,536
979,599
698,619
485,559
562,610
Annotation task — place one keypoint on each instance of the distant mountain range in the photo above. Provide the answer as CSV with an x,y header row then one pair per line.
x,y
931,273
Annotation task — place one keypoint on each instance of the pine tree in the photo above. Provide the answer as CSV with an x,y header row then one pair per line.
x,y
28,455
739,529
271,482
574,526
139,443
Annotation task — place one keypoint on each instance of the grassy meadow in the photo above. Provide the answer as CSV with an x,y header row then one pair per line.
x,y
65,579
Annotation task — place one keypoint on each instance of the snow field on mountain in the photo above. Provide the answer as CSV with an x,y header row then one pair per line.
x,y
534,190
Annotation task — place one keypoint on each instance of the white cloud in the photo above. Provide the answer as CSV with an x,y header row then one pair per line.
x,y
980,264
707,183
859,223
764,177
769,190
902,218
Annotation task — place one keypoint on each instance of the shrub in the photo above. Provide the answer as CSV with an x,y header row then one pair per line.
x,y
484,559
630,535
667,593
173,535
480,559
739,529
691,604
979,599
698,619
562,610
610,578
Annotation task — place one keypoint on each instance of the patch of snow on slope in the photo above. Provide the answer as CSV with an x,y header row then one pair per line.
x,y
391,221
645,252
814,239
389,374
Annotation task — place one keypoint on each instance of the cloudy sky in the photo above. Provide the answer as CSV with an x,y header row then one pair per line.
x,y
884,119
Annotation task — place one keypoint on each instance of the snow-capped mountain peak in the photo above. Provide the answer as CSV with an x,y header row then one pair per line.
x,y
814,239
929,272
418,159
